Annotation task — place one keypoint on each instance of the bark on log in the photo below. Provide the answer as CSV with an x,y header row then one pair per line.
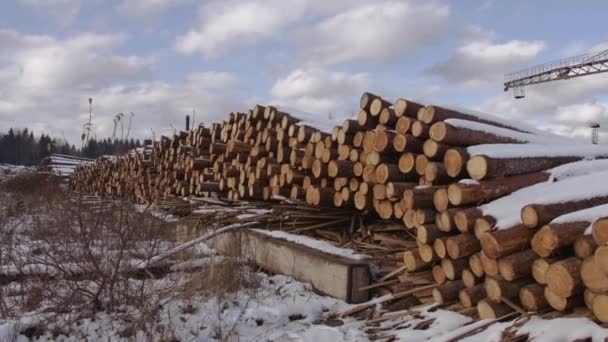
x,y
517,265
499,243
535,215
462,245
554,236
482,167
486,191
470,296
532,297
564,277
445,133
447,292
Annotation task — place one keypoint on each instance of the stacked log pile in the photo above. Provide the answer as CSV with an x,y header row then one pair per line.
x,y
494,207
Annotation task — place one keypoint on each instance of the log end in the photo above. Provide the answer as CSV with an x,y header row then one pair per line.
x,y
490,310
600,231
529,216
544,242
477,167
440,200
426,114
438,131
453,162
600,307
454,194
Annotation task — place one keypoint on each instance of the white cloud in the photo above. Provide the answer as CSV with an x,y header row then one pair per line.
x,y
566,107
228,24
320,91
482,63
144,8
42,64
62,11
328,32
45,83
376,32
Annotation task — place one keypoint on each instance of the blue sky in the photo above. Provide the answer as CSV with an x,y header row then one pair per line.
x,y
160,59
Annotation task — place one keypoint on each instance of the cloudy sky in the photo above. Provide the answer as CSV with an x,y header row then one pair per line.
x,y
162,59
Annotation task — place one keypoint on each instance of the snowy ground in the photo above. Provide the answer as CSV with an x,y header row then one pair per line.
x,y
282,309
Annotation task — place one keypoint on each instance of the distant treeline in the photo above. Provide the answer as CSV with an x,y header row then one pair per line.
x,y
21,147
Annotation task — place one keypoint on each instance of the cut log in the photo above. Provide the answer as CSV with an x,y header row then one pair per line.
x,y
488,309
436,173
532,297
438,274
378,104
486,191
445,133
469,279
600,231
600,307
517,265
421,162
481,167
564,277
426,234
403,125
465,219
475,265
440,248
483,225
453,268
584,246
554,236
440,200
499,243
592,275
455,162
462,245
413,262
406,143
435,113
498,288
445,220
561,303
447,292
434,150
421,197
390,173
539,269
489,265
406,108
396,189
427,253
407,163
534,215
420,129
470,296
601,258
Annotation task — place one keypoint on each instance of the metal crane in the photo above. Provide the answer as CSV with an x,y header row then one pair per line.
x,y
563,69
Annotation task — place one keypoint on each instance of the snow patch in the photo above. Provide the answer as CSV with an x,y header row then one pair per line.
x,y
322,246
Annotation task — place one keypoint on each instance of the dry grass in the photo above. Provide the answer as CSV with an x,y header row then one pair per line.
x,y
84,256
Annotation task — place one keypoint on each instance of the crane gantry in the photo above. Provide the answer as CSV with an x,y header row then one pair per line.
x,y
563,69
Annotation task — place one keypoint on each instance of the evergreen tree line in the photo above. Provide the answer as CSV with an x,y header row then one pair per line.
x,y
21,147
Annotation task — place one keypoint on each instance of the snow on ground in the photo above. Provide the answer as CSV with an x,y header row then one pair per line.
x,y
280,309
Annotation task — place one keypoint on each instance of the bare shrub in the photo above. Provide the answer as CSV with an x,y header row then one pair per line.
x,y
88,258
